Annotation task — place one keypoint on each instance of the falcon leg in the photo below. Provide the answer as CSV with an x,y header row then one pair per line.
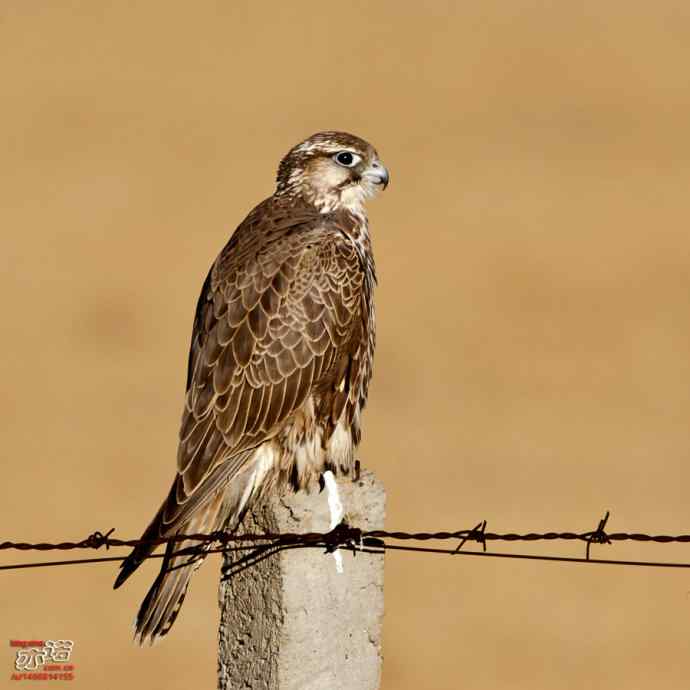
x,y
335,506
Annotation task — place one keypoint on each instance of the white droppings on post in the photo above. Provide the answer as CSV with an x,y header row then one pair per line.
x,y
335,506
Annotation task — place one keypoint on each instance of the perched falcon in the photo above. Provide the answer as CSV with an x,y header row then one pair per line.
x,y
280,358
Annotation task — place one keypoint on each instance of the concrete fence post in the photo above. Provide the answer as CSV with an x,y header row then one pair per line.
x,y
290,621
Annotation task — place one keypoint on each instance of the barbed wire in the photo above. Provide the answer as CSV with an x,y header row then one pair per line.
x,y
357,540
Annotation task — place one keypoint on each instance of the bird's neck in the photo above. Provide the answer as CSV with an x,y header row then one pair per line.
x,y
348,199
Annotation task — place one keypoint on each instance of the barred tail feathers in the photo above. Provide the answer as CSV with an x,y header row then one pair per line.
x,y
224,510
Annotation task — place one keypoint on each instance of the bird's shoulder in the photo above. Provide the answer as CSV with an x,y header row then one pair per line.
x,y
284,233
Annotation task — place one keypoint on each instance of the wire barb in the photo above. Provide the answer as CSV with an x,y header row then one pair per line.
x,y
98,539
598,536
477,533
342,535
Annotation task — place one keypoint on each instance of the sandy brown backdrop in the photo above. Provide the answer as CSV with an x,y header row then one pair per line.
x,y
533,253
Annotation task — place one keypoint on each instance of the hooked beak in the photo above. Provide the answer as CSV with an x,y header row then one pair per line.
x,y
377,173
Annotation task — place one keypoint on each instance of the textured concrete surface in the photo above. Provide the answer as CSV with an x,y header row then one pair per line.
x,y
290,621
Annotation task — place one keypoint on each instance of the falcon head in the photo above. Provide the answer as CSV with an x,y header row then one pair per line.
x,y
332,171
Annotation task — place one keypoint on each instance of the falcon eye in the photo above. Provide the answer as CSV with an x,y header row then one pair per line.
x,y
346,159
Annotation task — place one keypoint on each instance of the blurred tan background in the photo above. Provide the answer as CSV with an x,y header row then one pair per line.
x,y
533,361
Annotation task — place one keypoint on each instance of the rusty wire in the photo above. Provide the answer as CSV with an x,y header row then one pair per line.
x,y
371,541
